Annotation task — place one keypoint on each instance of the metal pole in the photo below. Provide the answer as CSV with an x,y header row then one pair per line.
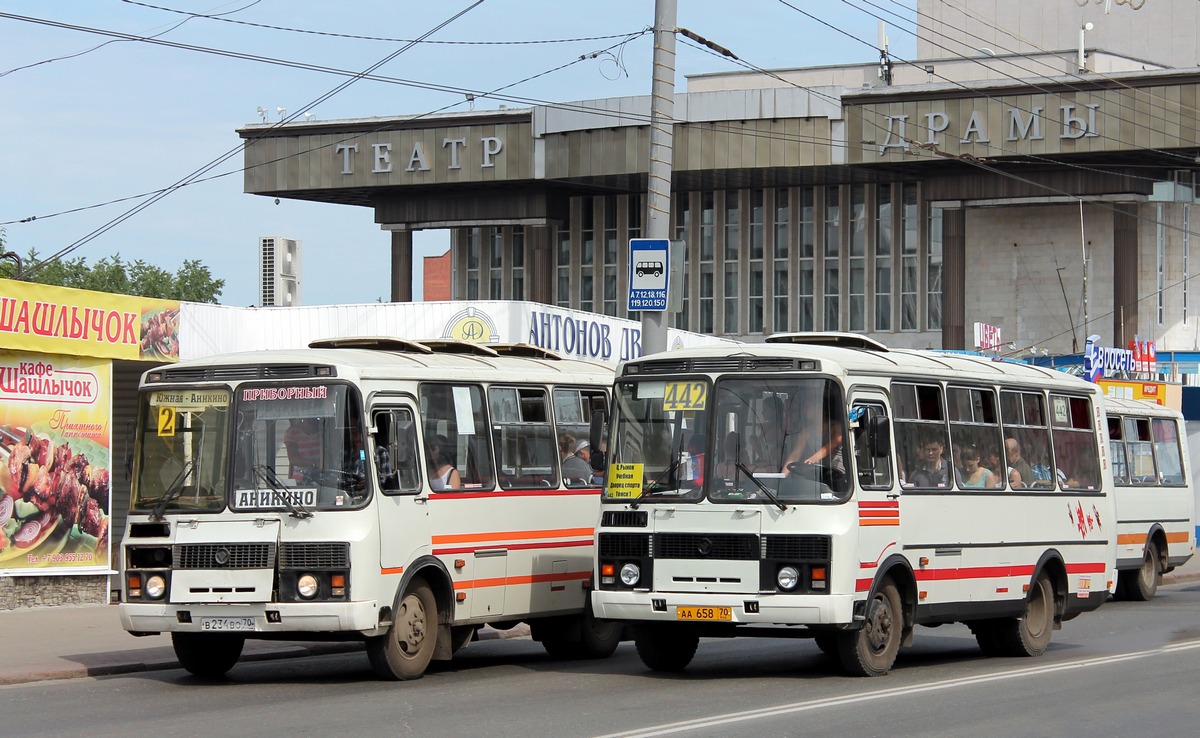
x,y
662,113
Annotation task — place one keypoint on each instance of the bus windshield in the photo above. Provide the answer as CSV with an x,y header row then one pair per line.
x,y
294,449
752,439
182,451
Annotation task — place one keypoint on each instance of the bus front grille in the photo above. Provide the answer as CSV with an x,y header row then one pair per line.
x,y
224,555
714,546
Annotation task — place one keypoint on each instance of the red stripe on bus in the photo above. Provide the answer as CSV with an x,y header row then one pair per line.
x,y
879,504
531,579
512,535
392,570
513,547
894,514
514,493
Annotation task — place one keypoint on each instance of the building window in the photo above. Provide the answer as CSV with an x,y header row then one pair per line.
x,y
933,267
518,263
757,286
909,251
562,256
683,219
833,235
779,317
587,256
495,263
857,262
707,224
733,234
806,273
883,258
474,244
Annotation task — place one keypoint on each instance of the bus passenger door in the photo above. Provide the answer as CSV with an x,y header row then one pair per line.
x,y
878,492
404,532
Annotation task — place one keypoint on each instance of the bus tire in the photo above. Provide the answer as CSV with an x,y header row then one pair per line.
x,y
405,651
460,636
1141,584
1029,635
665,646
828,643
987,635
597,639
207,655
871,650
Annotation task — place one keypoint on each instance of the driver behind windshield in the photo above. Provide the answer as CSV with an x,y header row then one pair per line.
x,y
303,442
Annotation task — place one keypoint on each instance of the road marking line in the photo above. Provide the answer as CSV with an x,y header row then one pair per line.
x,y
766,712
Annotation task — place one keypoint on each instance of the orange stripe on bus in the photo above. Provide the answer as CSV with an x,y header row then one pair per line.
x,y
889,521
530,579
1131,539
1181,537
879,513
392,570
513,535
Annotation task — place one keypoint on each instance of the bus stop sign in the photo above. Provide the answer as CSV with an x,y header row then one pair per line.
x,y
649,268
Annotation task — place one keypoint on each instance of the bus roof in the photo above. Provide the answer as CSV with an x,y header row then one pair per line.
x,y
388,359
1139,407
833,354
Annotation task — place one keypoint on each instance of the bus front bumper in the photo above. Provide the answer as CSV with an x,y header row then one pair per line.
x,y
253,618
742,608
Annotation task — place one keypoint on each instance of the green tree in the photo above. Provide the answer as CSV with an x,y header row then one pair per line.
x,y
191,282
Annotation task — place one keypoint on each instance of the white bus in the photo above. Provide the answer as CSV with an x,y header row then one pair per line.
x,y
1156,509
401,493
824,481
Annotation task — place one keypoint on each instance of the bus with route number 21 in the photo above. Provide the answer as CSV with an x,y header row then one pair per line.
x,y
402,493
824,486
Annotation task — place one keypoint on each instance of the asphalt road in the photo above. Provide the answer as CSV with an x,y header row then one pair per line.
x,y
1130,668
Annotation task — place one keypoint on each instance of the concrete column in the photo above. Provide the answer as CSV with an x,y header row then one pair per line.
x,y
402,265
954,275
539,251
1125,274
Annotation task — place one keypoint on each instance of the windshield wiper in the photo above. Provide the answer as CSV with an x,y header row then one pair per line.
x,y
764,488
267,474
173,490
658,484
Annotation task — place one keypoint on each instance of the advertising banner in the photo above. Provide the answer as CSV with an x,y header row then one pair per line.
x,y
55,464
60,320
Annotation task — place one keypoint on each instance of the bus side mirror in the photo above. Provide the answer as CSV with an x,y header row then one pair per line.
x,y
880,439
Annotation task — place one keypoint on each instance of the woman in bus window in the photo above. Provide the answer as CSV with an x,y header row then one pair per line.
x,y
442,473
974,474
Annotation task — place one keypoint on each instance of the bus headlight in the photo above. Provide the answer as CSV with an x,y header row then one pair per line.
x,y
787,578
630,574
156,586
307,586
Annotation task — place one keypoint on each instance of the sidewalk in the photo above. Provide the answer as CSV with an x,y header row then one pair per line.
x,y
70,642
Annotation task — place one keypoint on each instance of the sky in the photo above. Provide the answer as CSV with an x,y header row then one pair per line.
x,y
91,126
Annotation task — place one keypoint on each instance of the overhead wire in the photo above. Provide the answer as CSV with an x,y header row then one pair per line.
x,y
234,151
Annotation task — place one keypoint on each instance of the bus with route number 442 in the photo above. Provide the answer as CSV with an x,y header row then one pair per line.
x,y
401,493
824,486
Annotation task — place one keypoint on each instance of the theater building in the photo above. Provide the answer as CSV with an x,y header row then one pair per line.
x,y
1042,185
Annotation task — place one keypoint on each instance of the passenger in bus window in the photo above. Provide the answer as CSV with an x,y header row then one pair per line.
x,y
1020,474
442,472
974,474
575,471
766,450
303,442
931,469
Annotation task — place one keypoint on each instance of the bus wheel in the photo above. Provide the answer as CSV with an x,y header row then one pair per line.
x,y
871,650
1141,585
827,642
460,636
405,650
207,655
597,639
665,647
987,635
1029,635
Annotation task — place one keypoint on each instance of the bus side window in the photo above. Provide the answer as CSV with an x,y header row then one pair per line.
x,y
396,459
